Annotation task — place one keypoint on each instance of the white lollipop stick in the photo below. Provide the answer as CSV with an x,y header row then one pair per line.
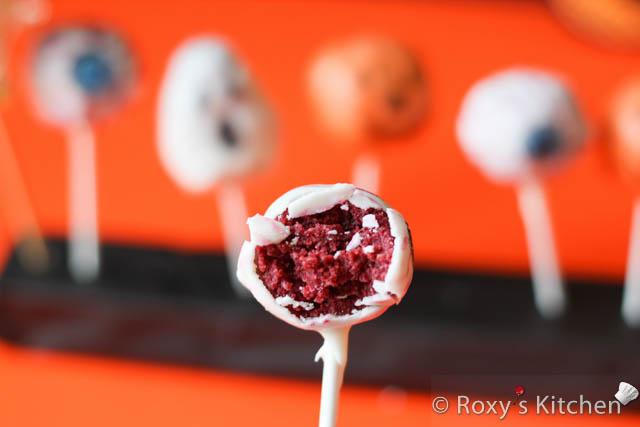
x,y
20,211
84,258
631,295
233,214
548,288
366,173
334,357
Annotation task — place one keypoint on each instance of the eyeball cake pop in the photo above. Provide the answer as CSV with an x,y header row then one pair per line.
x,y
213,127
323,258
625,133
367,88
80,74
517,126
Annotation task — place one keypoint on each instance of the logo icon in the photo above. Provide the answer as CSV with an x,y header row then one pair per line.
x,y
626,393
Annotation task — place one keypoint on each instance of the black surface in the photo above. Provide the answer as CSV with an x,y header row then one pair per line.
x,y
180,308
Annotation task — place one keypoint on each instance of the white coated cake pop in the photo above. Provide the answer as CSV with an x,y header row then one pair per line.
x,y
516,126
80,74
212,122
323,258
518,123
213,127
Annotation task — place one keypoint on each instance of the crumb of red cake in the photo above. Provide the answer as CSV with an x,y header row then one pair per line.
x,y
329,261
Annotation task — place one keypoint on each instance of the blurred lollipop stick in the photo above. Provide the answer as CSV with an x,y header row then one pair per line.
x,y
233,214
366,173
334,358
84,258
20,214
548,288
631,295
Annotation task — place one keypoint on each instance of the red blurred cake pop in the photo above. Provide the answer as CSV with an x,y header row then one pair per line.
x,y
367,87
609,22
364,89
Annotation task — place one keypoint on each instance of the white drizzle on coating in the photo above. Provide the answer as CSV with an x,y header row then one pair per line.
x,y
265,231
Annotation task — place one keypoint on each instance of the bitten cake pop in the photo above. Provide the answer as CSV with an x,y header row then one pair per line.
x,y
79,75
625,133
213,127
517,126
323,258
365,89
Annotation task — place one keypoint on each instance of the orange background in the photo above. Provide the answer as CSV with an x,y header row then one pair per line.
x,y
458,218
44,389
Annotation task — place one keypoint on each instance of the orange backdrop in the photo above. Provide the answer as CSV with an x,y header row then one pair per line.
x,y
44,389
458,219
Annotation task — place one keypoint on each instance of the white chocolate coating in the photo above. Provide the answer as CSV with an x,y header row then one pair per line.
x,y
311,199
57,95
211,121
501,113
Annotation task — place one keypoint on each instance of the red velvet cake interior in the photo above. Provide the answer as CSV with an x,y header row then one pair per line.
x,y
329,261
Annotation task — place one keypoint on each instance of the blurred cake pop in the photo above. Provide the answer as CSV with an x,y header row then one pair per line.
x,y
517,126
368,87
625,132
15,14
365,89
609,22
213,127
625,129
15,200
80,74
323,258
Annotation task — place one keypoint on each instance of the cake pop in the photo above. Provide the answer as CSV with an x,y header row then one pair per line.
x,y
323,258
213,127
609,22
517,126
15,200
81,74
364,89
625,132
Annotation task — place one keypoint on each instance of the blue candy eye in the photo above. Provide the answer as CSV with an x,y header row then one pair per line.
x,y
543,142
92,72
